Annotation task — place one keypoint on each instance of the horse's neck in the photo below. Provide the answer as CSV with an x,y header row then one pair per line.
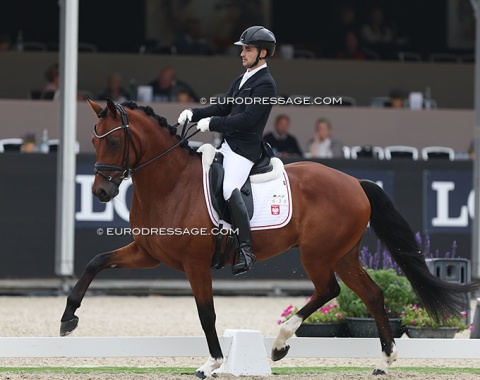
x,y
169,177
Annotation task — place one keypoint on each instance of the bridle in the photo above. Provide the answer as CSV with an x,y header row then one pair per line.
x,y
124,167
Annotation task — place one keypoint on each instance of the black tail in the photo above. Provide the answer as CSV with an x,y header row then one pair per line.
x,y
440,298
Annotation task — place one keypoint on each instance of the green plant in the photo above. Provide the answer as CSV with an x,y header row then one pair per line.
x,y
328,313
396,289
416,316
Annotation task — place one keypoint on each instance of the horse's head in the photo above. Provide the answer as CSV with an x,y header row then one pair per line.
x,y
115,149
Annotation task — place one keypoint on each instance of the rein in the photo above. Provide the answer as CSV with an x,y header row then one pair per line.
x,y
125,165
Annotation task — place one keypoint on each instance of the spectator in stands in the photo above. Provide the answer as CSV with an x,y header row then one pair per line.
x,y
351,49
114,89
471,150
376,31
4,42
345,24
52,87
283,143
166,86
322,145
191,41
184,97
397,97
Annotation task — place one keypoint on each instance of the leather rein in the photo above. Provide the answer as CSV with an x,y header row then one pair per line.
x,y
124,167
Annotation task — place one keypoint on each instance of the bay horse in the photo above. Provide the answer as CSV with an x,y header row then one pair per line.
x,y
331,211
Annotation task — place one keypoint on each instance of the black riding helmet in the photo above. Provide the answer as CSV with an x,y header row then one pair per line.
x,y
259,37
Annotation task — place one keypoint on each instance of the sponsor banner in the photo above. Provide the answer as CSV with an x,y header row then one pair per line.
x,y
90,212
383,178
449,201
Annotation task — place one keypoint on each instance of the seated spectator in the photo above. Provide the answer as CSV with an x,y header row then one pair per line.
x,y
166,86
376,31
4,41
51,90
351,50
114,90
52,87
471,149
191,41
346,21
184,97
397,96
322,145
283,143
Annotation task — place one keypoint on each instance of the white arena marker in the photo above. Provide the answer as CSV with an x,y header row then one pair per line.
x,y
247,354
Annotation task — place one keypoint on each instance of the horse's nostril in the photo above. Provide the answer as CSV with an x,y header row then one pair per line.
x,y
102,194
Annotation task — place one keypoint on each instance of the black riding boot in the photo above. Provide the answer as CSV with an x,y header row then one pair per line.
x,y
241,221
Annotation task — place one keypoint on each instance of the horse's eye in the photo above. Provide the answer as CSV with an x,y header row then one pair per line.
x,y
113,143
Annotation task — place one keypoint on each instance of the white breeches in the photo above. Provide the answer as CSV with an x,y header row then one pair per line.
x,y
236,167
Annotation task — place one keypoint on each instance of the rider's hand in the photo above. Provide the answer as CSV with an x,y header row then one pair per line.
x,y
203,124
186,115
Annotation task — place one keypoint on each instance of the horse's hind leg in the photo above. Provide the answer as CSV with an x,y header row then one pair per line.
x,y
129,256
326,288
355,277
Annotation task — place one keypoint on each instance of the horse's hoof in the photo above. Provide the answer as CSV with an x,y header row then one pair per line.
x,y
68,326
377,371
280,354
200,374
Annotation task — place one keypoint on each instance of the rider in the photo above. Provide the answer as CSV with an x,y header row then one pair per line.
x,y
241,118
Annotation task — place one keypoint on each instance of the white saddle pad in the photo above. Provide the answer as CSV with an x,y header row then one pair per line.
x,y
272,198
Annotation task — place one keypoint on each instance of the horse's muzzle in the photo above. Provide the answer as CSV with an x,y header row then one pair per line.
x,y
105,192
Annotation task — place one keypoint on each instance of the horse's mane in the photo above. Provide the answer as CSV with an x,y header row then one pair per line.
x,y
160,119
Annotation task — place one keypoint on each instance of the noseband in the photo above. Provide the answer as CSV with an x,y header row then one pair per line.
x,y
125,168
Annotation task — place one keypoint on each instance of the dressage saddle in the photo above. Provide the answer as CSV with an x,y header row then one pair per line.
x,y
217,173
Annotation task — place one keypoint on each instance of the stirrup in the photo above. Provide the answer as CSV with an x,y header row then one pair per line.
x,y
244,264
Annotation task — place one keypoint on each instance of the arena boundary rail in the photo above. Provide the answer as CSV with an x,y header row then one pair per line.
x,y
246,351
42,347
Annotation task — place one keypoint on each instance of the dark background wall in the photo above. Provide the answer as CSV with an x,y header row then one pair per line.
x,y
120,25
27,220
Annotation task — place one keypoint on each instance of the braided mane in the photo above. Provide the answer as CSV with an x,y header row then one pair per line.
x,y
160,119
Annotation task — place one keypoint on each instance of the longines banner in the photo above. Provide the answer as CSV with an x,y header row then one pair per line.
x,y
447,198
91,213
448,201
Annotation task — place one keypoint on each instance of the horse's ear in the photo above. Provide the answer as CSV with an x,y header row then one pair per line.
x,y
95,106
111,107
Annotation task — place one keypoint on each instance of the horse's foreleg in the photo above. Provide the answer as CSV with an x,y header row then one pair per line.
x,y
323,293
201,283
127,257
353,275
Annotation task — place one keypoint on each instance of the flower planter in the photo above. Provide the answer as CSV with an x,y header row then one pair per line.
x,y
429,332
323,329
366,327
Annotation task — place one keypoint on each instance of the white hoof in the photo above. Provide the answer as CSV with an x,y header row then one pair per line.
x,y
385,361
206,370
287,330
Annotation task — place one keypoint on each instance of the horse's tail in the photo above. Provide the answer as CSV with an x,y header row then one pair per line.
x,y
440,298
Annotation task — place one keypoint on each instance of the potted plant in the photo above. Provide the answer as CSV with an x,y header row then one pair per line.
x,y
397,292
418,324
327,321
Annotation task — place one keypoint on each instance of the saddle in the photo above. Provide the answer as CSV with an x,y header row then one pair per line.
x,y
215,176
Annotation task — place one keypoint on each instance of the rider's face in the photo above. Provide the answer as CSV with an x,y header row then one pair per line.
x,y
249,55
